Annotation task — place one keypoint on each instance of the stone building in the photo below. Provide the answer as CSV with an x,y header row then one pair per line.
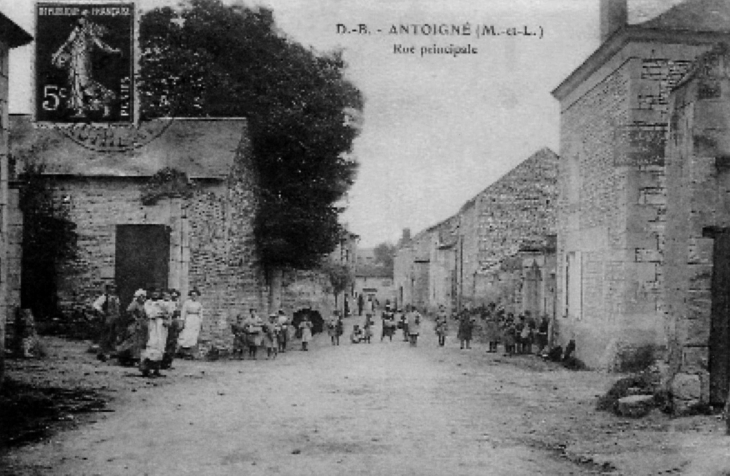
x,y
476,256
612,208
174,212
11,36
697,250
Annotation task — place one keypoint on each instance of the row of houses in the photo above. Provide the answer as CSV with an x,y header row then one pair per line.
x,y
479,255
638,206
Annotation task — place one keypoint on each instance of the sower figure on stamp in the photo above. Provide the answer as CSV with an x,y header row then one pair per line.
x,y
75,56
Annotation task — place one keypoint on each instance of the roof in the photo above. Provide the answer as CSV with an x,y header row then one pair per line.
x,y
14,35
543,155
202,148
691,22
372,272
694,15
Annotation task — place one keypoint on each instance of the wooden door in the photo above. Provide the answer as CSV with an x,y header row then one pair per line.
x,y
719,344
142,259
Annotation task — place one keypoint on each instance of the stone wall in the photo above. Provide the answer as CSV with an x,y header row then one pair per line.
x,y
11,220
4,304
698,187
612,206
470,258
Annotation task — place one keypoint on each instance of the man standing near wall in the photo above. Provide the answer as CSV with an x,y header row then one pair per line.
x,y
284,335
109,309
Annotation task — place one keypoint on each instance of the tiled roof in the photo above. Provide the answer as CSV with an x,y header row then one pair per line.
x,y
694,15
12,33
202,148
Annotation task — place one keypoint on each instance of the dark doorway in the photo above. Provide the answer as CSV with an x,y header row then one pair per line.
x,y
719,361
314,316
142,259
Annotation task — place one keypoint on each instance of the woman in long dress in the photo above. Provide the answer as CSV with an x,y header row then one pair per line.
x,y
135,334
171,300
158,321
191,315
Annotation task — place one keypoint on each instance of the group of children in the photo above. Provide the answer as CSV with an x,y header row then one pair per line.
x,y
518,335
253,332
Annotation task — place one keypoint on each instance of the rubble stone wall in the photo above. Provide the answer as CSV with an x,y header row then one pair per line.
x,y
698,187
516,210
612,207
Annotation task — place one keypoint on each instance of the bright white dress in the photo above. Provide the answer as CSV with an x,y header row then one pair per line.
x,y
192,317
157,330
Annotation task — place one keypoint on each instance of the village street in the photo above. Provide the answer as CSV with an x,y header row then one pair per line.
x,y
382,408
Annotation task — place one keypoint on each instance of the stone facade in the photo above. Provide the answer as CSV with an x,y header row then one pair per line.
x,y
613,197
697,239
476,256
209,230
11,36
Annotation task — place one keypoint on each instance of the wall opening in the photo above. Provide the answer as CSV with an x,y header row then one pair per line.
x,y
142,259
719,344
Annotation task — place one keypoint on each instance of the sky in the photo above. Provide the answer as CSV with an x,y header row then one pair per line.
x,y
437,128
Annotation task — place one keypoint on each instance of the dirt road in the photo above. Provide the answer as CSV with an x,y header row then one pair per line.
x,y
382,408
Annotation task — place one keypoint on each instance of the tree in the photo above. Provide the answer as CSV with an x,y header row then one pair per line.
x,y
385,255
209,59
341,277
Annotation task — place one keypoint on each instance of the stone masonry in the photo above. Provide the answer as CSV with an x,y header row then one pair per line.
x,y
474,256
698,220
11,36
212,247
613,199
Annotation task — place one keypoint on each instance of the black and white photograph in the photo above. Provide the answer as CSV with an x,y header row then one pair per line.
x,y
386,237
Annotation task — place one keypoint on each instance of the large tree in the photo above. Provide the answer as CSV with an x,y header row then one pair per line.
x,y
385,256
205,58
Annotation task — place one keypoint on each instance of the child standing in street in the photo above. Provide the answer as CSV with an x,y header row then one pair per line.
x,y
271,336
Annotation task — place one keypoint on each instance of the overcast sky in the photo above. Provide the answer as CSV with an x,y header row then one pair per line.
x,y
438,129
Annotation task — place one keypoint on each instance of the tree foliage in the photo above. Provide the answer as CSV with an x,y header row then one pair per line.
x,y
385,255
210,59
340,275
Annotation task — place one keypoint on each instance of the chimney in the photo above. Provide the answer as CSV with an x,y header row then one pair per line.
x,y
614,16
406,235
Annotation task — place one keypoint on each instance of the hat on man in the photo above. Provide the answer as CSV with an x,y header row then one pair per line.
x,y
140,292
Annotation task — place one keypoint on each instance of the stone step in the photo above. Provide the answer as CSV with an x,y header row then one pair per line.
x,y
635,406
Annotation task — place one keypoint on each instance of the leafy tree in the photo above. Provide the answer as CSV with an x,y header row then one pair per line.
x,y
385,255
210,59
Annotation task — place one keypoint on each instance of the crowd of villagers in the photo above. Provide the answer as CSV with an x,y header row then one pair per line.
x,y
274,333
521,334
157,327
151,330
392,319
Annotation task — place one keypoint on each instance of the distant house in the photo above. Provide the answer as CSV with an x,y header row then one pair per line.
x,y
175,212
372,280
476,256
